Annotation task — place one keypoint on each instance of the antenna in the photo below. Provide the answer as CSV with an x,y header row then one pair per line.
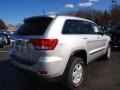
x,y
43,11
114,1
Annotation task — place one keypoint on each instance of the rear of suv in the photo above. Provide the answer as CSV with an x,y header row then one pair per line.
x,y
114,33
58,47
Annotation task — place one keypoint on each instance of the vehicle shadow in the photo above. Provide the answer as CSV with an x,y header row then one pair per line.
x,y
36,85
12,78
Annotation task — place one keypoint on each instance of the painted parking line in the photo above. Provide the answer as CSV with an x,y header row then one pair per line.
x,y
4,51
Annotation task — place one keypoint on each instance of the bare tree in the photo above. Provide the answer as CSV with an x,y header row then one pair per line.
x,y
115,14
3,25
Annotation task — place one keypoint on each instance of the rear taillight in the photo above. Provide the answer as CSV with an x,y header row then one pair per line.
x,y
44,44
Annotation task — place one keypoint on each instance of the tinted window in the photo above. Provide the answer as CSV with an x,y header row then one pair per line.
x,y
34,26
76,27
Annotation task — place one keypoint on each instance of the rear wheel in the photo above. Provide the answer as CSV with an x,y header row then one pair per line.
x,y
75,73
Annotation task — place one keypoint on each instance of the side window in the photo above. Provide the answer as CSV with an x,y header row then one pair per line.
x,y
70,27
95,29
84,27
76,27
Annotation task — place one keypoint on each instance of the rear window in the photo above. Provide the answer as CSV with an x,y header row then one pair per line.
x,y
34,26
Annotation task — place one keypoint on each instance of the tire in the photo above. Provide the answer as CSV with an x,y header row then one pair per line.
x,y
1,46
75,73
108,53
114,40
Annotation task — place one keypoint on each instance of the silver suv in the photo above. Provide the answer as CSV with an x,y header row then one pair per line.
x,y
58,47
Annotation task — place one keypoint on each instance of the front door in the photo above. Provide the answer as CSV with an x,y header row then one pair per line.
x,y
96,42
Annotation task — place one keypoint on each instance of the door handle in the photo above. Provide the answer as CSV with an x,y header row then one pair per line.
x,y
84,37
98,37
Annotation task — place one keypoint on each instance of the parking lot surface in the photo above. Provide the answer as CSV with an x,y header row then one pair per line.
x,y
100,75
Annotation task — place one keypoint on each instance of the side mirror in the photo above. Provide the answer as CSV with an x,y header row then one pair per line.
x,y
101,33
105,31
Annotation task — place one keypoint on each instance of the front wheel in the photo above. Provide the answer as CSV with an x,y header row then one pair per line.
x,y
108,53
75,73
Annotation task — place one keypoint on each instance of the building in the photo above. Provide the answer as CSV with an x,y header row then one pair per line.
x,y
12,28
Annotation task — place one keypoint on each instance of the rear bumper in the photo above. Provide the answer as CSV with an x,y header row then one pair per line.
x,y
115,40
115,43
46,79
36,76
51,65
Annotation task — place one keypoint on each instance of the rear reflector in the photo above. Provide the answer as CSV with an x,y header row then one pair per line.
x,y
44,44
42,72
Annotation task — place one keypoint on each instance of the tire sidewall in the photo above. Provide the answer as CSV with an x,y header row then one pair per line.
x,y
70,83
109,47
105,56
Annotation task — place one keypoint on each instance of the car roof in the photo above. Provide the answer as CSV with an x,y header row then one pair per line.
x,y
74,18
56,16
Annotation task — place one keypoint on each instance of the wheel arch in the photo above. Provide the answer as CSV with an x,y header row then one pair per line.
x,y
80,53
77,53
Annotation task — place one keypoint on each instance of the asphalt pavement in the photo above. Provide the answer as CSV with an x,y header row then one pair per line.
x,y
100,75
